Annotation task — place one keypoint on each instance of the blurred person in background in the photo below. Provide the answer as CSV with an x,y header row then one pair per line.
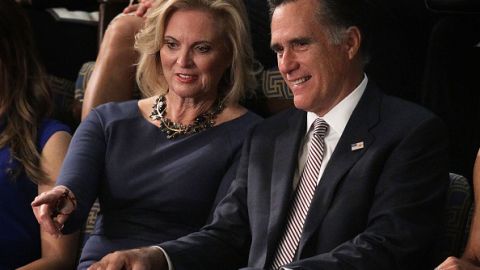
x,y
32,148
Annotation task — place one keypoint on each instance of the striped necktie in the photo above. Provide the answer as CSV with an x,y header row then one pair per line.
x,y
302,197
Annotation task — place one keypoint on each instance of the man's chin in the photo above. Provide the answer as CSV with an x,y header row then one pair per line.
x,y
300,103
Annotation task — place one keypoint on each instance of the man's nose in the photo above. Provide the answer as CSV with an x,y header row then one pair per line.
x,y
287,62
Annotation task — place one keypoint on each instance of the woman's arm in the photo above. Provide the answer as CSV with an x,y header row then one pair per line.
x,y
113,77
470,259
57,252
472,250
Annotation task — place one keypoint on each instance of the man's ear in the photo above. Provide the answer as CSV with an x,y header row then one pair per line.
x,y
353,39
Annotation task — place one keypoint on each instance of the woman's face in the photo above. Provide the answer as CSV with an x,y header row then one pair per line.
x,y
194,55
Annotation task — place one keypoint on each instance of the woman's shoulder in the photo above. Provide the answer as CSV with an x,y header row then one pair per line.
x,y
48,127
53,124
118,107
251,118
239,120
238,113
113,111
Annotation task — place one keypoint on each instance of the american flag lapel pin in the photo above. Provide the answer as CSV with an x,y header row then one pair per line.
x,y
357,146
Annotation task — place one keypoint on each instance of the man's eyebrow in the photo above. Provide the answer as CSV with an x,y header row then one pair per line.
x,y
275,46
299,40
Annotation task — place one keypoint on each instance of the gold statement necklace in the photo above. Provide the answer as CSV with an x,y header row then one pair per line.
x,y
173,129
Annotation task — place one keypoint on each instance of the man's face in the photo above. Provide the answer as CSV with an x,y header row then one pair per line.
x,y
315,69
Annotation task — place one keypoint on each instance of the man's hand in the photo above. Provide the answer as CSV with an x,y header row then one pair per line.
x,y
454,263
134,259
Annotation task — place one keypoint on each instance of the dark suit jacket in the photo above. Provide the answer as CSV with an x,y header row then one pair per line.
x,y
374,208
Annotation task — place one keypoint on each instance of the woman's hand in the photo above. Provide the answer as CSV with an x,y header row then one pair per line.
x,y
454,263
52,209
24,2
140,9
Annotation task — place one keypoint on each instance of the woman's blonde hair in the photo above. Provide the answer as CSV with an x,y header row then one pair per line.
x,y
239,78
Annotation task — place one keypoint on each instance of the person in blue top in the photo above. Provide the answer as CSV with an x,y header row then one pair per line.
x,y
32,148
157,164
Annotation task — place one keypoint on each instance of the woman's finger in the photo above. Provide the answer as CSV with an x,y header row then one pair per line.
x,y
60,220
143,8
52,209
49,197
131,8
46,221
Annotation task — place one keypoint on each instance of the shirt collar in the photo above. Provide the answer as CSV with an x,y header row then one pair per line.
x,y
339,115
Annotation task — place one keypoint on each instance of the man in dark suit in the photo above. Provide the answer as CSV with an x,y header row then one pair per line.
x,y
378,165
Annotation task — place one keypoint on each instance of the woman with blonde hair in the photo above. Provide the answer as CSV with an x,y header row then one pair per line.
x,y
112,78
32,148
158,164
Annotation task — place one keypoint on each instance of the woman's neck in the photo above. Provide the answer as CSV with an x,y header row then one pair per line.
x,y
185,110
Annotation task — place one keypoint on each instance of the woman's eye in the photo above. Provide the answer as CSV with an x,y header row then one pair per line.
x,y
171,44
203,48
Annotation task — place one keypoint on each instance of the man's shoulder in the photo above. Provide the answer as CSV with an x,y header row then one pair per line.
x,y
399,118
398,108
392,106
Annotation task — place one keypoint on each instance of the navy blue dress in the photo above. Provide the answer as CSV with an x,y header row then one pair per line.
x,y
19,230
150,189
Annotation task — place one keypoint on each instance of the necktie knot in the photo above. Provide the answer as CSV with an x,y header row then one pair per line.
x,y
320,128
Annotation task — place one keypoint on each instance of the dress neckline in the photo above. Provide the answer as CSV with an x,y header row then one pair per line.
x,y
230,122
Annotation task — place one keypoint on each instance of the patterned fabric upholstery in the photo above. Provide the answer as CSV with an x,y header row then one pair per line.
x,y
272,95
457,217
92,216
273,85
82,80
89,226
62,91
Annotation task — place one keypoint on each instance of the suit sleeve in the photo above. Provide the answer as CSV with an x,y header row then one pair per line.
x,y
405,211
83,168
224,243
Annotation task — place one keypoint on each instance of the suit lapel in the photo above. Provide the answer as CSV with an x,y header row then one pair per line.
x,y
363,118
285,162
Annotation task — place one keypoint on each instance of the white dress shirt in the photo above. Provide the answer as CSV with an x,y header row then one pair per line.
x,y
337,119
